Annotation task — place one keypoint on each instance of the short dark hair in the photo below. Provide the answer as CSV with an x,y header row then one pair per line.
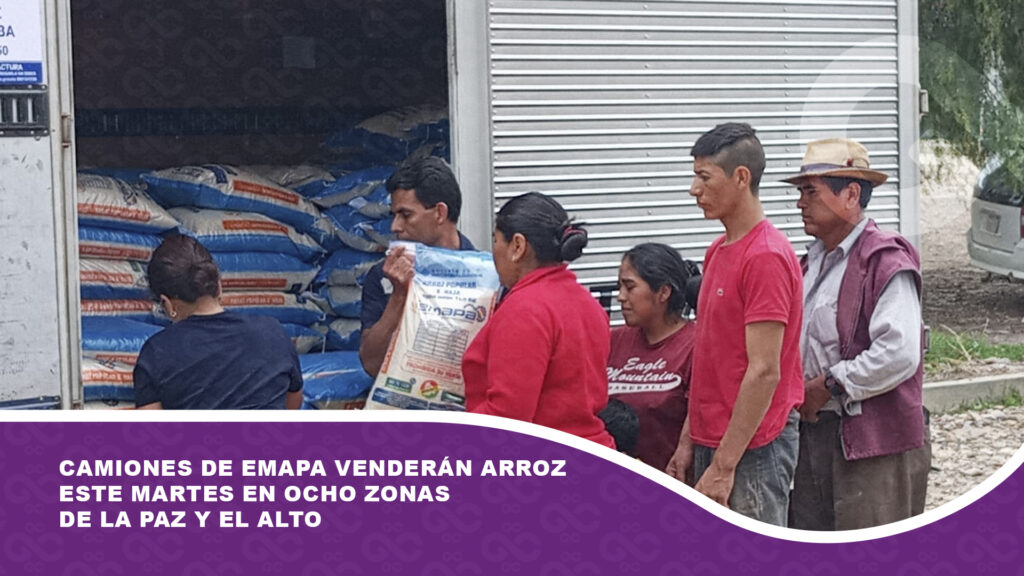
x,y
431,180
731,145
542,220
661,265
621,421
183,269
837,183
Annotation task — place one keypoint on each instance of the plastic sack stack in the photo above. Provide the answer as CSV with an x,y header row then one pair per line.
x,y
358,206
119,227
251,226
291,242
391,137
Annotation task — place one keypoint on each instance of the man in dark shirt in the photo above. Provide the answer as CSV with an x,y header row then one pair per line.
x,y
425,201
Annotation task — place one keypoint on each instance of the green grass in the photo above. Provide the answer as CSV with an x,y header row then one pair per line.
x,y
949,349
1010,399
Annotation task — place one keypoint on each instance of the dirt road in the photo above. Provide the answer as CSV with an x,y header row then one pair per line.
x,y
956,296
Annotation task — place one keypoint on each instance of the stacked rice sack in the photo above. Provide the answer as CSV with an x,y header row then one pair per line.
x,y
119,226
391,137
357,204
265,238
334,381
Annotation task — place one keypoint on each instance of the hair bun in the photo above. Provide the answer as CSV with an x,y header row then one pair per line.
x,y
573,241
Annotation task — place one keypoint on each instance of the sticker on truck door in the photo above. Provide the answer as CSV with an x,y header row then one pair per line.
x,y
21,42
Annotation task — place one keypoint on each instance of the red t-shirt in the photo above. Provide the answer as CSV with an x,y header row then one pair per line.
x,y
541,357
755,279
654,380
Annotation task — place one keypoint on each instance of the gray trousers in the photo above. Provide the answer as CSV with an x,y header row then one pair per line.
x,y
763,475
830,493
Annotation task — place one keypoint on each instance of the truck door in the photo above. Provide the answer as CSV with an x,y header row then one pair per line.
x,y
36,211
598,102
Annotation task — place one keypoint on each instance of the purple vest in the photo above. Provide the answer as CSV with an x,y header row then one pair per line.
x,y
892,422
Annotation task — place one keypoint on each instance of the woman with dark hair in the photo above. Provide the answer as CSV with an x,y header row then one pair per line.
x,y
541,357
650,361
209,358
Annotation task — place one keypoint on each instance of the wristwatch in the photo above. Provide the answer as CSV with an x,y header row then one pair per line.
x,y
832,385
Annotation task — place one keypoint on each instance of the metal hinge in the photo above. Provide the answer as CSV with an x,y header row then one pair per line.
x,y
922,101
39,403
65,130
24,112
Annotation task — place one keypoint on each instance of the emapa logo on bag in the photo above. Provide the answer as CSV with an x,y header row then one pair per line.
x,y
469,312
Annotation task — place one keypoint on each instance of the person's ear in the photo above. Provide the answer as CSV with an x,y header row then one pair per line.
x,y
168,306
852,199
220,288
742,176
519,247
442,212
663,294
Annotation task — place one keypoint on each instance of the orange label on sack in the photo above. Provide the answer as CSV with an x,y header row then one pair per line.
x,y
107,277
266,191
120,212
114,252
97,376
130,359
257,225
237,283
116,306
252,300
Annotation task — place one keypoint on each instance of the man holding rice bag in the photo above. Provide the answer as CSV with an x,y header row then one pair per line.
x,y
425,202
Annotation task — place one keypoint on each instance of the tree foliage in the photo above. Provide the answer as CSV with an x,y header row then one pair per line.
x,y
972,64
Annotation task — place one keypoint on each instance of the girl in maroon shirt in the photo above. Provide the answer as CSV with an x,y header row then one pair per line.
x,y
651,357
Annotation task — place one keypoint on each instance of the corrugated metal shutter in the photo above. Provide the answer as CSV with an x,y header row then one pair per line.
x,y
598,103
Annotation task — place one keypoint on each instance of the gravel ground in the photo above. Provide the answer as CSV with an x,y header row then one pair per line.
x,y
969,447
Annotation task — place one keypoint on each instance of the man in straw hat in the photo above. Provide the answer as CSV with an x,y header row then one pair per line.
x,y
864,456
741,433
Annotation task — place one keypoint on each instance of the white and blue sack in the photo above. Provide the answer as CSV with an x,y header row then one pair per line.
x,y
263,271
105,202
333,376
230,231
112,279
109,244
286,308
304,338
226,188
347,267
115,339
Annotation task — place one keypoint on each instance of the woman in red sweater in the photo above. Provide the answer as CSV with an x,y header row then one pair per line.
x,y
542,356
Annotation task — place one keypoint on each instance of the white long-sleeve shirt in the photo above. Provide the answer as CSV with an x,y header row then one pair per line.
x,y
895,328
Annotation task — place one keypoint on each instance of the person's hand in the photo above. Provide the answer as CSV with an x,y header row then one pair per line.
x,y
399,269
716,483
682,461
815,396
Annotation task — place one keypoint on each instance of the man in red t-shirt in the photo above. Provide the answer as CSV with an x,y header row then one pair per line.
x,y
741,434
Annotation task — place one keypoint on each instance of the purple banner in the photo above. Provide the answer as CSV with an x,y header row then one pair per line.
x,y
512,504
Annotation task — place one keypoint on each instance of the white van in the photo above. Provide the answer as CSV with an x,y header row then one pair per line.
x,y
995,241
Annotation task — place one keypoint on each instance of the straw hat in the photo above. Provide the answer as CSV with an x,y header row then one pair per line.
x,y
837,157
